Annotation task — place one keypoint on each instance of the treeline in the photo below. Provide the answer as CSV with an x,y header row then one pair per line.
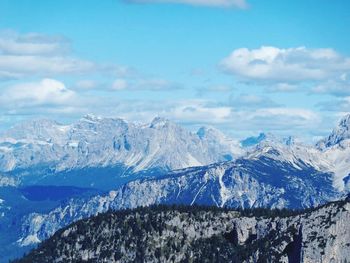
x,y
193,209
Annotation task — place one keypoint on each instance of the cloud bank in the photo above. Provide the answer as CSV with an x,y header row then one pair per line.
x,y
45,92
285,65
33,54
321,71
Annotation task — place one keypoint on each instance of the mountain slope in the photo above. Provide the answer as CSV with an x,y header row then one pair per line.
x,y
191,234
259,182
336,149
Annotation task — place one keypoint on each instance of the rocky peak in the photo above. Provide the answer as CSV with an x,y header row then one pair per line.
x,y
91,117
210,132
159,122
345,122
339,134
270,140
253,140
290,140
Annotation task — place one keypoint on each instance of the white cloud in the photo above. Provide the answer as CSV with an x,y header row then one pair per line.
x,y
242,121
36,54
119,84
337,87
156,84
189,112
272,64
46,92
338,105
43,65
220,88
251,101
12,43
153,84
287,113
85,84
197,111
283,121
51,98
7,75
211,3
33,54
283,87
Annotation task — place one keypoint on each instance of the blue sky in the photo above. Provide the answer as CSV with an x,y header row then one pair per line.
x,y
241,66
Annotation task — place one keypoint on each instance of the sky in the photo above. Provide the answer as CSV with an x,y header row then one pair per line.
x,y
242,66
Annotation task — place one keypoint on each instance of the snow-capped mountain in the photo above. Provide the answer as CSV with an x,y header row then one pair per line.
x,y
45,148
331,154
285,150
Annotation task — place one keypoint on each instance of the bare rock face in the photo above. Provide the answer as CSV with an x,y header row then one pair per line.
x,y
322,235
326,234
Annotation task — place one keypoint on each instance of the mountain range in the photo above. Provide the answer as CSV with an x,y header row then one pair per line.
x,y
98,164
45,152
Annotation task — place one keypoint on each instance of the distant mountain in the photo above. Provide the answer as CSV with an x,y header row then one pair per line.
x,y
45,152
195,234
330,155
